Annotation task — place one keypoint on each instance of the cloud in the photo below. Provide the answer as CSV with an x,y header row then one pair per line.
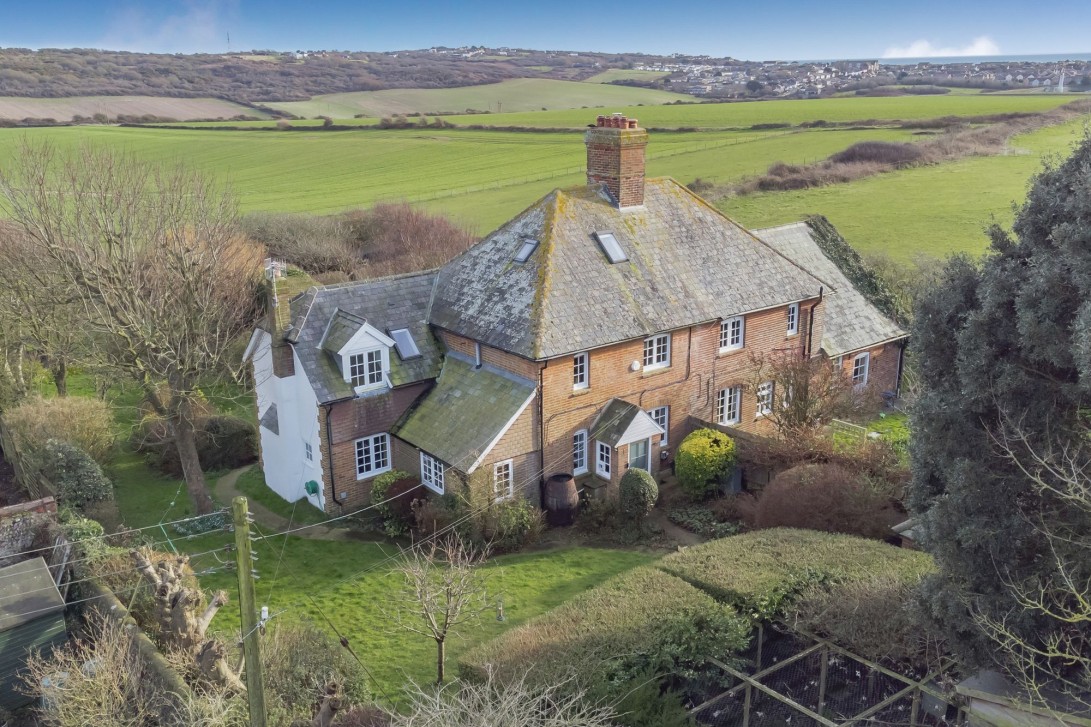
x,y
981,46
196,26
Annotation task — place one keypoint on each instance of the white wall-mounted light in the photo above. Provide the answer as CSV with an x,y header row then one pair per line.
x,y
634,366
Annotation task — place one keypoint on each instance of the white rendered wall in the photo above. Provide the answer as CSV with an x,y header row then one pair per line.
x,y
283,455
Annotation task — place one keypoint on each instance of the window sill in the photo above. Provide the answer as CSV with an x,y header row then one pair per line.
x,y
791,335
432,488
579,473
604,477
581,392
654,371
369,475
729,351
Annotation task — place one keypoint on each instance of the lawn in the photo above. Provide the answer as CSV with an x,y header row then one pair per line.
x,y
519,94
935,210
63,109
252,484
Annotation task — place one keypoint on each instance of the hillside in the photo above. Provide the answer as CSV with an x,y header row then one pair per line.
x,y
520,94
182,109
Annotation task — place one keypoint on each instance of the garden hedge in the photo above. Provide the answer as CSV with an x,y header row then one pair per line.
x,y
643,619
759,573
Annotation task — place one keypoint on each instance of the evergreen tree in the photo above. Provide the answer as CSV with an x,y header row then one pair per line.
x,y
1000,452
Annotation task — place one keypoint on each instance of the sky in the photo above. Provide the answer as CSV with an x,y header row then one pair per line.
x,y
752,30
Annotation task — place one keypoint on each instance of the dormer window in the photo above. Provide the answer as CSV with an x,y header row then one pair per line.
x,y
366,369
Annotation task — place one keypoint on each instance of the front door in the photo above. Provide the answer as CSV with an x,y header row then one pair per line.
x,y
639,453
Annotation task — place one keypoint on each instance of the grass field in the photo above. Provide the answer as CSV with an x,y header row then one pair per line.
x,y
520,94
932,210
63,109
621,74
481,178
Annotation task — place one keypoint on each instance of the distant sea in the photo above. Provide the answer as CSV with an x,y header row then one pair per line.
x,y
1041,58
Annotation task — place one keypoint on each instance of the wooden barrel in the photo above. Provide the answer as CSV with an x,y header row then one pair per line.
x,y
561,499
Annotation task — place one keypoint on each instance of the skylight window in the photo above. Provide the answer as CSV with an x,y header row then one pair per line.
x,y
610,246
528,248
404,343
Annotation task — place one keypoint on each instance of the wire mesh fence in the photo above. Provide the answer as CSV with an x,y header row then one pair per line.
x,y
793,679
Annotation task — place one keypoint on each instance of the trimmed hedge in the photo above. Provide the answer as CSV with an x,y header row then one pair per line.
x,y
637,493
704,459
760,573
641,620
77,477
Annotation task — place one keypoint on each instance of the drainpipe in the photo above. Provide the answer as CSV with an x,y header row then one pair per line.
x,y
810,324
901,367
541,435
329,454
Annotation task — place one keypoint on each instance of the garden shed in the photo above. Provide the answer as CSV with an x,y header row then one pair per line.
x,y
31,618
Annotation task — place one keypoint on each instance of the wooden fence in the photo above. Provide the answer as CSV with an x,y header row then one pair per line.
x,y
799,680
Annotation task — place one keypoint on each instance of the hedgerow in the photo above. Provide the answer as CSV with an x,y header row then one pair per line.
x,y
761,573
704,458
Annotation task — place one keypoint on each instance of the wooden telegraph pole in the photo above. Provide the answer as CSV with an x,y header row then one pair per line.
x,y
251,646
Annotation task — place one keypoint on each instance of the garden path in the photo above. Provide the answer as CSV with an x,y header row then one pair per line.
x,y
267,520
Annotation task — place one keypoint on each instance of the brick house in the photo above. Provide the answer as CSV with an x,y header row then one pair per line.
x,y
585,335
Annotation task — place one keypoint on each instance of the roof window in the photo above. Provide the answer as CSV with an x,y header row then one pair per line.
x,y
611,247
528,248
404,343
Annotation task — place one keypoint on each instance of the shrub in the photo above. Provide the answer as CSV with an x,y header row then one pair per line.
x,y
401,489
223,443
301,661
874,616
77,477
704,458
81,421
642,621
637,493
701,520
761,573
883,152
435,514
824,497
513,524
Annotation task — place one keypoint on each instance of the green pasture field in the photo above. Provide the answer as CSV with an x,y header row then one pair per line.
x,y
481,178
63,109
935,210
796,111
519,94
622,74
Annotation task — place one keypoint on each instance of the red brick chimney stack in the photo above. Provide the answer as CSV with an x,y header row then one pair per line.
x,y
615,157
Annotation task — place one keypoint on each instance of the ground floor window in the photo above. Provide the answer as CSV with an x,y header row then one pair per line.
x,y
431,472
503,480
603,457
661,415
372,455
579,452
860,366
639,454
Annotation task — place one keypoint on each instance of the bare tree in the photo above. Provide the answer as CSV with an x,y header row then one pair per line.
x,y
444,588
37,307
513,702
807,392
164,281
1056,663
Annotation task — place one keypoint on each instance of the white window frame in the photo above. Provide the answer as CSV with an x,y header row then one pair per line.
x,y
857,380
431,473
308,451
730,338
604,459
766,391
647,454
662,413
503,480
793,319
361,372
657,351
579,452
581,371
729,405
378,445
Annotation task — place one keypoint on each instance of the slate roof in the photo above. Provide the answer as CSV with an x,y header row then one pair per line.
x,y
269,419
615,419
852,322
466,411
399,301
343,326
687,263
